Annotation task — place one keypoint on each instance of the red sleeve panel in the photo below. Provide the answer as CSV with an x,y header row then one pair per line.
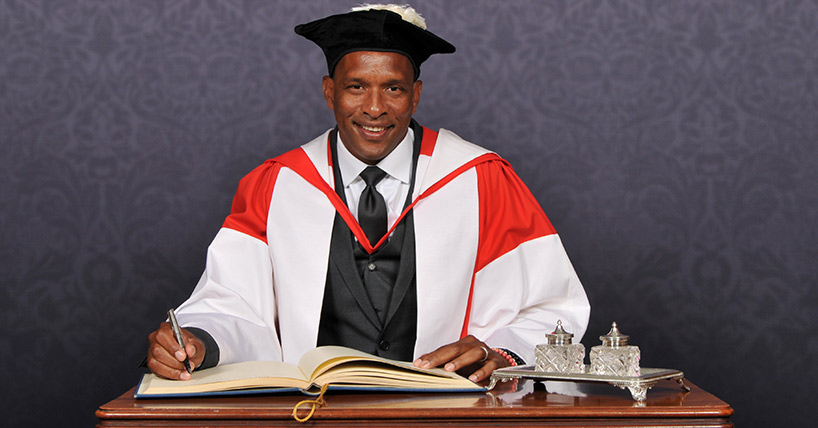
x,y
509,213
509,217
251,204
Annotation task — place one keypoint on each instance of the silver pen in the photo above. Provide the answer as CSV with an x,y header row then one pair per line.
x,y
178,333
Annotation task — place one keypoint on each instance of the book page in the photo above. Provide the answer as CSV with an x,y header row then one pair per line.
x,y
377,374
249,374
321,358
335,364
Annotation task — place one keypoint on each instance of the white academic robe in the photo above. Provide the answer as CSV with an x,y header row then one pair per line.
x,y
489,263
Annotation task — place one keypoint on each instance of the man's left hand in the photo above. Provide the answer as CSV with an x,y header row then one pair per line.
x,y
468,356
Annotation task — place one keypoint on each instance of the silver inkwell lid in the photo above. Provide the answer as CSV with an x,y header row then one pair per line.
x,y
614,338
559,336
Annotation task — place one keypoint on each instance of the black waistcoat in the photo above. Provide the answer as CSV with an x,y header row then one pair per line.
x,y
370,300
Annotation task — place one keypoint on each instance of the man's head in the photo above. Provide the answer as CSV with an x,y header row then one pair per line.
x,y
373,96
373,59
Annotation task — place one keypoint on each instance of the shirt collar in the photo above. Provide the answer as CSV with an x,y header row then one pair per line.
x,y
397,164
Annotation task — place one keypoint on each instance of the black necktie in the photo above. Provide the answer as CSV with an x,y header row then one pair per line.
x,y
371,206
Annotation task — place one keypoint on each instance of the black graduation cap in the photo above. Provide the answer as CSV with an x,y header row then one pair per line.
x,y
372,30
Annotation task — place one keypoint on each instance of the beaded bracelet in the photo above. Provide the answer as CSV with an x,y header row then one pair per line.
x,y
518,359
507,355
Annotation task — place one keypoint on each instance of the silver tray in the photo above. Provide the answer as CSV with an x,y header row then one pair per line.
x,y
637,385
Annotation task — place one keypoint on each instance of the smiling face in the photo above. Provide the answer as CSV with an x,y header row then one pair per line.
x,y
373,96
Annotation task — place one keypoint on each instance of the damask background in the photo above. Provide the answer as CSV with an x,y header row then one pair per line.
x,y
672,143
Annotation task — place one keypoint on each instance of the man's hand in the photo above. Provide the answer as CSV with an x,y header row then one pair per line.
x,y
165,356
468,356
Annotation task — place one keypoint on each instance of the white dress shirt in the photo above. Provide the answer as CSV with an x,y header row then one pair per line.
x,y
394,186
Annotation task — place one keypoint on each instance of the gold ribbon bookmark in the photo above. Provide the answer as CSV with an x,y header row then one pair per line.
x,y
315,403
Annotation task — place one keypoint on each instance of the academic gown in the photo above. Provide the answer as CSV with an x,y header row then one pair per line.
x,y
488,261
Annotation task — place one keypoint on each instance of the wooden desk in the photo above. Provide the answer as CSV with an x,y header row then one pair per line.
x,y
509,404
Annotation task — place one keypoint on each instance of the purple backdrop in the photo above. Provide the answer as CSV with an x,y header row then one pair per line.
x,y
672,143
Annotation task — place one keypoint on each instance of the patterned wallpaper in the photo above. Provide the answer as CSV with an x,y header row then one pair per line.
x,y
672,143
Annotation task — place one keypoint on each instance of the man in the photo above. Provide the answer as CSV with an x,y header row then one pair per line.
x,y
380,234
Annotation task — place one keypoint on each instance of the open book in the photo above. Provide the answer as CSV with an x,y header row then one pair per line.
x,y
336,366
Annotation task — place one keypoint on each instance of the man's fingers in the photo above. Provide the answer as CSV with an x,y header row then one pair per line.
x,y
454,356
165,338
473,355
195,351
484,371
168,372
439,356
163,364
161,355
165,356
468,356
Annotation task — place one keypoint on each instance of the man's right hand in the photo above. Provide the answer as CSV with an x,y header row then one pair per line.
x,y
166,357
